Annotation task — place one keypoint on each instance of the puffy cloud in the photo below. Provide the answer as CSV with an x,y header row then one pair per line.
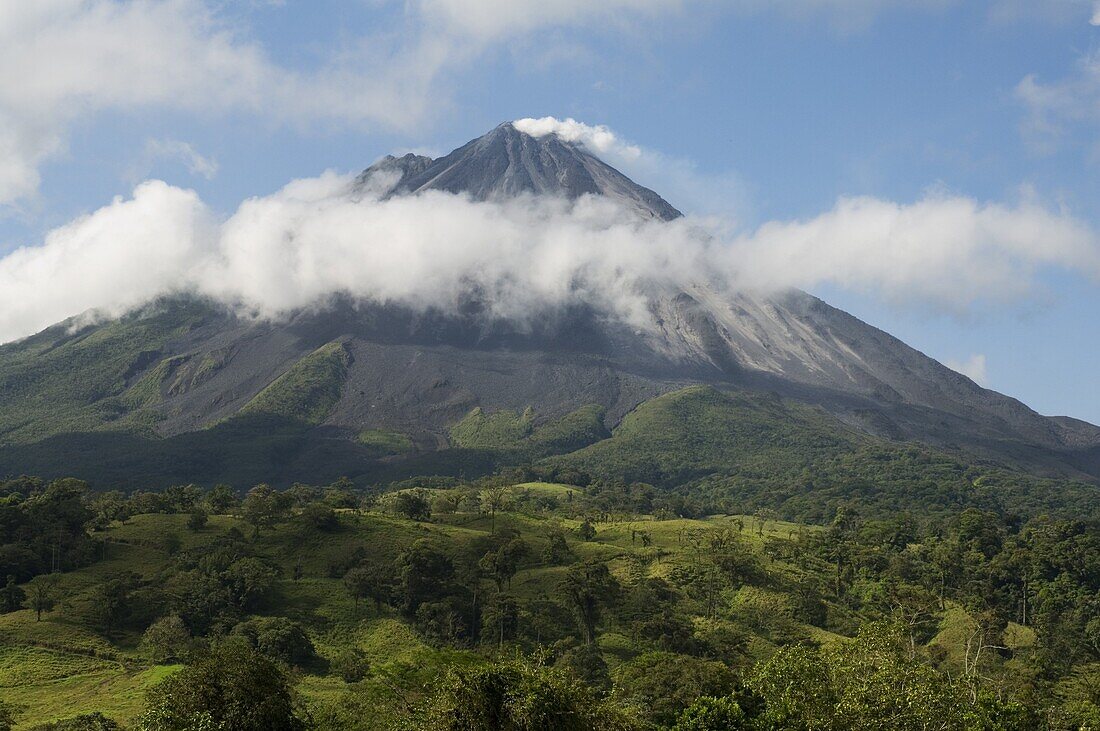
x,y
61,60
949,252
300,245
117,258
597,138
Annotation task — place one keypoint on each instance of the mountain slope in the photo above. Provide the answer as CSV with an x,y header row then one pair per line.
x,y
506,163
296,394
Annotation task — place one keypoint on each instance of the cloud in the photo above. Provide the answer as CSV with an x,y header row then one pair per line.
x,y
64,60
299,246
494,19
973,368
1050,11
947,252
1064,109
183,153
114,259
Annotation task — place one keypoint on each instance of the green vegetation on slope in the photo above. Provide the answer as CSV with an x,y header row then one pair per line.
x,y
385,443
309,390
396,612
73,379
499,430
516,435
683,435
746,451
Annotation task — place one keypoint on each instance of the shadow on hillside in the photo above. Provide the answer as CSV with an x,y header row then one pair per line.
x,y
242,451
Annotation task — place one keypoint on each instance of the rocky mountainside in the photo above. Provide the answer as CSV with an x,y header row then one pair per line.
x,y
506,163
355,374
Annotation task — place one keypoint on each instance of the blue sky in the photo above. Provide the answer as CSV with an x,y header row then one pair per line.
x,y
777,109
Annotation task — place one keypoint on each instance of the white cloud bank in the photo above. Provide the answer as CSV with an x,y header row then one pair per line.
x,y
297,247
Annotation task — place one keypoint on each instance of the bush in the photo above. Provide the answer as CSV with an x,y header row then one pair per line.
x,y
712,714
320,517
166,639
232,687
278,638
517,696
351,664
84,722
196,521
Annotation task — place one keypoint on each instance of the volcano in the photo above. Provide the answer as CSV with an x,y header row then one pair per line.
x,y
183,389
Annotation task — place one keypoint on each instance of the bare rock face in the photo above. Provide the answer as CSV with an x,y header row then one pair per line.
x,y
506,163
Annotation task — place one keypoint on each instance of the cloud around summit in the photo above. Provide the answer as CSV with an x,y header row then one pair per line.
x,y
311,240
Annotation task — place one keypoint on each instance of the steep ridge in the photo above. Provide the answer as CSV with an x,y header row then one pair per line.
x,y
506,163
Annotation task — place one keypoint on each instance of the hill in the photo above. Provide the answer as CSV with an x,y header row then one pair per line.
x,y
377,609
188,390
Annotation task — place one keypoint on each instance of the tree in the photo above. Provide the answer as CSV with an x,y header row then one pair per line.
x,y
424,573
196,521
872,683
369,581
171,543
231,687
249,581
41,595
586,531
518,696
586,663
413,505
557,549
665,683
501,618
494,497
110,506
262,507
503,563
12,598
589,587
166,639
221,499
320,517
710,713
182,498
84,722
111,601
278,638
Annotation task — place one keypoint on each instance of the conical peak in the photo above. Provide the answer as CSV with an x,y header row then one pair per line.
x,y
507,162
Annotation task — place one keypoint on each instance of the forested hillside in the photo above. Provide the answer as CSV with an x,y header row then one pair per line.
x,y
444,604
